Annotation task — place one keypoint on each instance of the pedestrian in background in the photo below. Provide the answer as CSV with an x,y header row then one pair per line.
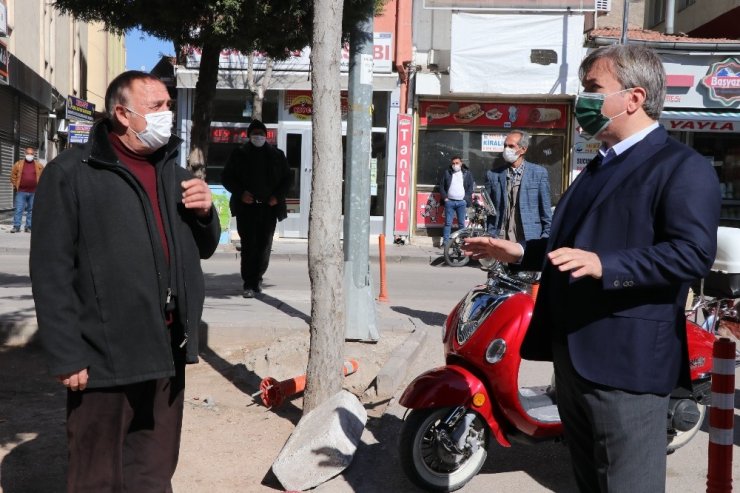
x,y
623,251
120,229
258,177
520,192
24,176
456,190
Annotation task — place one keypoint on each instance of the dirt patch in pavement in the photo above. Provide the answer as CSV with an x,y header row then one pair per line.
x,y
229,438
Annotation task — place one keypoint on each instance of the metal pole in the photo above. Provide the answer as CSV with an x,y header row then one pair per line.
x,y
360,305
625,22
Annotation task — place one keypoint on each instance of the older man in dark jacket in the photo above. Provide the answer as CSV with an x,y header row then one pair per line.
x,y
119,230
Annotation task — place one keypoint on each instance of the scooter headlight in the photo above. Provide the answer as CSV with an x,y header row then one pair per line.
x,y
496,351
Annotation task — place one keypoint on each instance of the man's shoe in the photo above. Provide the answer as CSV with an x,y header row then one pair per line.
x,y
257,289
27,230
15,230
248,293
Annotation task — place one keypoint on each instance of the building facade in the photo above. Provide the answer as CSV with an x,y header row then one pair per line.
x,y
44,58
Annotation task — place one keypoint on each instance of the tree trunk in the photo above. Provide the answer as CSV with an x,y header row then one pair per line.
x,y
258,90
205,91
325,262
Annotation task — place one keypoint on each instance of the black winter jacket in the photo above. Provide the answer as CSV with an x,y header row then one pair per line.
x,y
262,171
99,273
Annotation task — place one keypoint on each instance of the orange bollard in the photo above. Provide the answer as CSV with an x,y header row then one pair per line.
x,y
274,393
721,417
383,295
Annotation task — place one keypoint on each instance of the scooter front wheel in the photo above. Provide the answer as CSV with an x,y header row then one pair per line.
x,y
430,455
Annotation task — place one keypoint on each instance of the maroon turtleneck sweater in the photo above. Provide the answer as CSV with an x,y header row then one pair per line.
x,y
143,168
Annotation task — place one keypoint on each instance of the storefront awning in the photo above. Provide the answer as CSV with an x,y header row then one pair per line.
x,y
717,116
701,121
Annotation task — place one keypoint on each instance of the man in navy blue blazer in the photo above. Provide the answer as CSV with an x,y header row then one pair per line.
x,y
520,192
628,237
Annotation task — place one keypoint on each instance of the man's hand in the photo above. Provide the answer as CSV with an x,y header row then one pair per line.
x,y
272,201
197,196
487,247
247,198
74,381
580,263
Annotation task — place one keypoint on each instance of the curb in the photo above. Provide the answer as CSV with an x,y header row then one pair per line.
x,y
394,370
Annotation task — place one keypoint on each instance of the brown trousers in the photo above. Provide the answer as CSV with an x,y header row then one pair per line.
x,y
125,438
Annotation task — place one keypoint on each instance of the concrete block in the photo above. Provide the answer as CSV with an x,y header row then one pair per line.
x,y
323,444
394,370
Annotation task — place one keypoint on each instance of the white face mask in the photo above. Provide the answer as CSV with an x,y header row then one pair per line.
x,y
456,167
29,157
510,155
258,140
158,129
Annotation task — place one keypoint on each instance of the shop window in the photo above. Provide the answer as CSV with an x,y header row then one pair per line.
x,y
437,147
723,152
655,12
229,106
682,4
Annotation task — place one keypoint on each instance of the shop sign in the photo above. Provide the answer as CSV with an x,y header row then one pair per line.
x,y
4,62
298,60
78,133
502,115
723,82
492,142
237,135
584,150
80,110
534,5
299,104
700,126
403,176
430,212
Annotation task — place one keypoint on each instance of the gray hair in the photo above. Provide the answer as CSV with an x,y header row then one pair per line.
x,y
117,92
634,66
525,137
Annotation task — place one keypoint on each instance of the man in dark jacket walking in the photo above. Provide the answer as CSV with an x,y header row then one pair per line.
x,y
258,177
456,192
119,231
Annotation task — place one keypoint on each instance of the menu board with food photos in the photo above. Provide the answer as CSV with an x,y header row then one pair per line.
x,y
502,115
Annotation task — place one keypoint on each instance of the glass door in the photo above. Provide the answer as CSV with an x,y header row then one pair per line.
x,y
296,143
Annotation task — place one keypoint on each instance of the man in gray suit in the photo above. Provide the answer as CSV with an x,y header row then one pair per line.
x,y
521,194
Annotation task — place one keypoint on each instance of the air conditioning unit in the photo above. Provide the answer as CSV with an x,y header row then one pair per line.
x,y
604,5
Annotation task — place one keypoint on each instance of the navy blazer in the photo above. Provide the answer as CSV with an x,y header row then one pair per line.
x,y
535,209
654,227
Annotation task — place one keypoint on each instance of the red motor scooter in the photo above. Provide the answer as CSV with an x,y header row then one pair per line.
x,y
456,408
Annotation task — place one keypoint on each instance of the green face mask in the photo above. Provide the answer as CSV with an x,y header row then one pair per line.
x,y
589,115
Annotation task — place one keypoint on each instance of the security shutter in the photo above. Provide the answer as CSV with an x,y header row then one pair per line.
x,y
7,115
29,125
7,153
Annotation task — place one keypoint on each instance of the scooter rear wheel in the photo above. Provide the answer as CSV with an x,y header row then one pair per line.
x,y
454,257
429,463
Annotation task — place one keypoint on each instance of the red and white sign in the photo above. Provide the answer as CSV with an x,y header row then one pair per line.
x,y
700,126
403,176
299,60
497,115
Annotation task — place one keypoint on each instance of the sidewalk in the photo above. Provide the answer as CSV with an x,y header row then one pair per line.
x,y
284,307
421,249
